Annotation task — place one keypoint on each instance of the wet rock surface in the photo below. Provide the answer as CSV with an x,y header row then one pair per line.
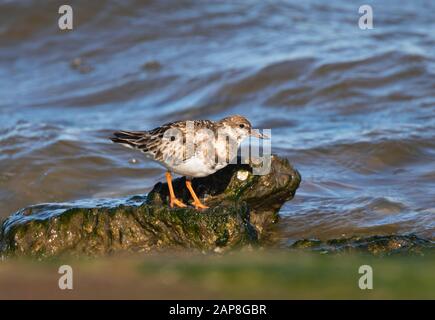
x,y
242,208
375,245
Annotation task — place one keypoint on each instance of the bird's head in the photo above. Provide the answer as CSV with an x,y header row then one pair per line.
x,y
241,127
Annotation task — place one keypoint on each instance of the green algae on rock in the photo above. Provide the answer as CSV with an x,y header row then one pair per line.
x,y
264,194
375,245
96,231
242,207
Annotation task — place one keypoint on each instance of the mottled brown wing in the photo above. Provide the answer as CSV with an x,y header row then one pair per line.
x,y
162,143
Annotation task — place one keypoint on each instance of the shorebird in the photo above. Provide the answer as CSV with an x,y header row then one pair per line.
x,y
195,148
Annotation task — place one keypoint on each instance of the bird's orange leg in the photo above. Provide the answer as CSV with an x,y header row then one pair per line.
x,y
172,199
196,202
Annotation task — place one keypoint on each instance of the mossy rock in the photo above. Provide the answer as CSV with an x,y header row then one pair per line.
x,y
242,208
378,245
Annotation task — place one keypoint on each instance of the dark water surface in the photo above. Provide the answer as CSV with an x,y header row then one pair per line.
x,y
353,110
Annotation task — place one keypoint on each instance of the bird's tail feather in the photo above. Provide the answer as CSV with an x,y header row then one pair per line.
x,y
128,138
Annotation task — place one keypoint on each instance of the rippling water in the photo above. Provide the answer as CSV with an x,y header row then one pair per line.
x,y
353,110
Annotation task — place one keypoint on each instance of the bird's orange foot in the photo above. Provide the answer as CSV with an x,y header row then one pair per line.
x,y
198,205
178,203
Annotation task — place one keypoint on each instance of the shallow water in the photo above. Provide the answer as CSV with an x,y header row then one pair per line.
x,y
353,110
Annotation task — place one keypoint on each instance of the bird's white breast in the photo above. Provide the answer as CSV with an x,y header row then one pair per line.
x,y
195,167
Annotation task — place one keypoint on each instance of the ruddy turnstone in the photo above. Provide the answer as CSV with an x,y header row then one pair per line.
x,y
190,148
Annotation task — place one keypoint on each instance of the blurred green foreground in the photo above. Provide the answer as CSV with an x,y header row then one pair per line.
x,y
235,275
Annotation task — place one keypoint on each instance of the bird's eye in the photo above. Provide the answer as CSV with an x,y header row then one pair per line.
x,y
241,126
172,138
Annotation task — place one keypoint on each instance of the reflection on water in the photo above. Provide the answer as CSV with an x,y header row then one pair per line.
x,y
353,110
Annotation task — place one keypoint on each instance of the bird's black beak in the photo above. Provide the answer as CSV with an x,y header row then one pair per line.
x,y
258,135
